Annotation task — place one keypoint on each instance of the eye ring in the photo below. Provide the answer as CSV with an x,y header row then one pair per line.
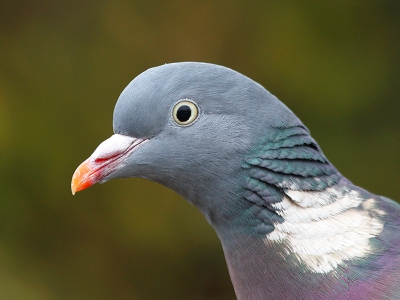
x,y
185,112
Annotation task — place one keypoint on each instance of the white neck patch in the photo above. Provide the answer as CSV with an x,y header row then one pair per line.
x,y
323,230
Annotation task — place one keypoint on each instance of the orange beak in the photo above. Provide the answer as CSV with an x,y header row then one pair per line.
x,y
105,160
81,179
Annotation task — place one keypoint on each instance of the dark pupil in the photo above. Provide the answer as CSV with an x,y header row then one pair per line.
x,y
183,113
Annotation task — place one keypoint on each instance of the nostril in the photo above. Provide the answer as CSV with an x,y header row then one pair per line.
x,y
105,158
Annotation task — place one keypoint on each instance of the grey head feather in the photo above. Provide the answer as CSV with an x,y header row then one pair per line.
x,y
234,156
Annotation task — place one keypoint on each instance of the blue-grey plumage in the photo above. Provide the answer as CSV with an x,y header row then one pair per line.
x,y
291,226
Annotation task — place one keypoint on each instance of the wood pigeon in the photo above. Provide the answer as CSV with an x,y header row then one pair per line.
x,y
291,226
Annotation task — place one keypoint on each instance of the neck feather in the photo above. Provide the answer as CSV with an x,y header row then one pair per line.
x,y
307,222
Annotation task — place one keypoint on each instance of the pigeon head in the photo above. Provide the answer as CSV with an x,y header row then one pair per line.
x,y
288,222
193,127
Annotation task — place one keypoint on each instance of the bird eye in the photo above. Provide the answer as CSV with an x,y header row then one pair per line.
x,y
185,112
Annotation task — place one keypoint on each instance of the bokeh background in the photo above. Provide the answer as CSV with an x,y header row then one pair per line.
x,y
63,64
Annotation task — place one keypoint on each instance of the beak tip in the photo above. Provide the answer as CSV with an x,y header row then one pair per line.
x,y
80,180
74,185
73,190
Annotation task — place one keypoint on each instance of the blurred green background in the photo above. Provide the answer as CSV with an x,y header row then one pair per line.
x,y
63,64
